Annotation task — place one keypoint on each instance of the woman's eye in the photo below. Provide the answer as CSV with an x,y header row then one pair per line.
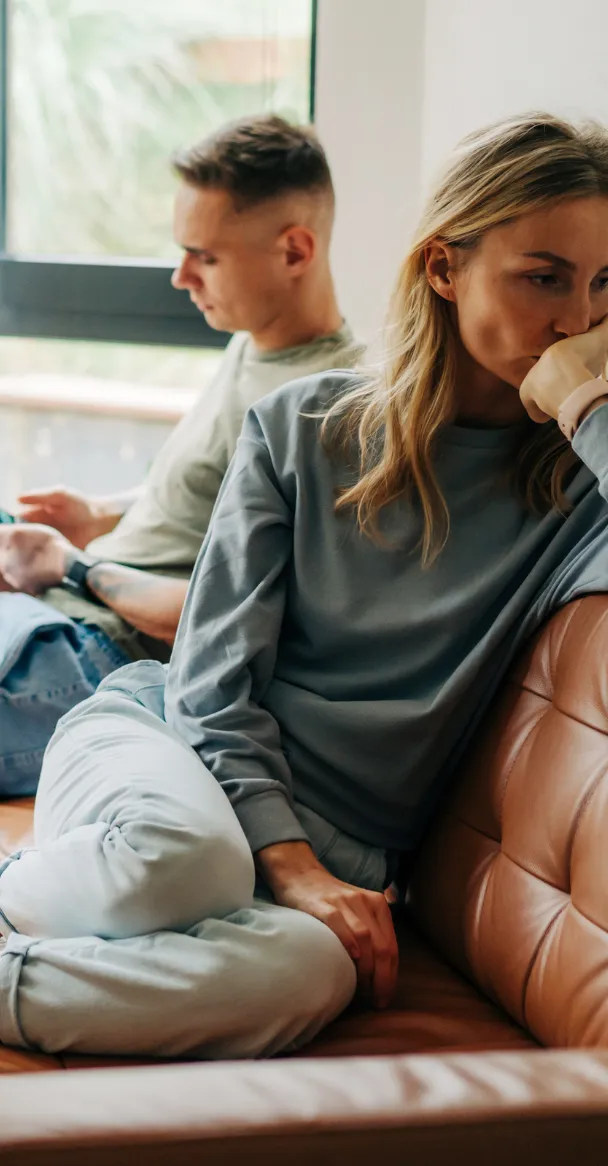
x,y
210,261
543,280
602,284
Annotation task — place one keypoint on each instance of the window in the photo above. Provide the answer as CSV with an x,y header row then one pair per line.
x,y
92,415
94,97
99,356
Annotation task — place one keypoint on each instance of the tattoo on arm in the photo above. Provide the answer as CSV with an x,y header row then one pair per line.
x,y
150,603
112,585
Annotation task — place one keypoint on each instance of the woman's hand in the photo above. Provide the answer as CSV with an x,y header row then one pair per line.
x,y
32,558
361,919
561,369
71,513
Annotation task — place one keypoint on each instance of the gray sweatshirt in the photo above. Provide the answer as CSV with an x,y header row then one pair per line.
x,y
312,664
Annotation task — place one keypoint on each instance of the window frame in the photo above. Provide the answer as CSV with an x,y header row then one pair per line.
x,y
92,299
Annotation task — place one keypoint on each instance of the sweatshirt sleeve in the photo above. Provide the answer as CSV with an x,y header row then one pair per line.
x,y
590,444
226,647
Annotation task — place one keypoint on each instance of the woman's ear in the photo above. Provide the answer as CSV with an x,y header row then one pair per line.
x,y
440,270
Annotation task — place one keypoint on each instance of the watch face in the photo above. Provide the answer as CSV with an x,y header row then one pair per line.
x,y
76,577
77,571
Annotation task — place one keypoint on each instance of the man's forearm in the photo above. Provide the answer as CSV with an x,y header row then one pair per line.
x,y
150,603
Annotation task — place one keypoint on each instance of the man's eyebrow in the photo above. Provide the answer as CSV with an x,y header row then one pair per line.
x,y
196,250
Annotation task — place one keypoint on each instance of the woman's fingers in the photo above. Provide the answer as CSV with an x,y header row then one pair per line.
x,y
532,409
372,926
361,928
592,346
387,961
360,919
601,328
336,920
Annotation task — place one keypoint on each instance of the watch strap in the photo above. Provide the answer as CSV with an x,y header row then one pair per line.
x,y
75,578
572,409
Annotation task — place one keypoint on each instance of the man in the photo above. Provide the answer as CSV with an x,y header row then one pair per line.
x,y
253,215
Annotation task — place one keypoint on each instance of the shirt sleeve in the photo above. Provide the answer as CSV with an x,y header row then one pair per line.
x,y
226,647
166,525
590,444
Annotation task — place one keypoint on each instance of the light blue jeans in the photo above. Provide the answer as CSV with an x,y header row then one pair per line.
x,y
134,925
48,664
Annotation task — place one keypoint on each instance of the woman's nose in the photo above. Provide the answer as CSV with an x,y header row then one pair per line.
x,y
574,317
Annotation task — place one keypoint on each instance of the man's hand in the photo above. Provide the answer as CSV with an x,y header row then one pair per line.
x,y
361,919
78,518
561,369
68,511
32,558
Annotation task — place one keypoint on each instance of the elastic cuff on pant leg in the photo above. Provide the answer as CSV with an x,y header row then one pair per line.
x,y
12,957
5,922
6,862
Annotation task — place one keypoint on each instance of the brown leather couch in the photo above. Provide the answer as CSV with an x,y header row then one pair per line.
x,y
496,1050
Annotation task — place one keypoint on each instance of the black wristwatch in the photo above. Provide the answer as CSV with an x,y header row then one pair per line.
x,y
75,578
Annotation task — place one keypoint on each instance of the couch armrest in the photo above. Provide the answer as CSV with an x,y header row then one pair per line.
x,y
530,1108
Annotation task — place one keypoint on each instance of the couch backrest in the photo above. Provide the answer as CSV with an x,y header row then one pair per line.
x,y
511,884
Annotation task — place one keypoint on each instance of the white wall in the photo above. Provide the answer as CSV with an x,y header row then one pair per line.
x,y
398,84
486,59
368,97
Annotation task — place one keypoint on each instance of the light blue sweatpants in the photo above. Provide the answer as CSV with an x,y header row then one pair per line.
x,y
131,927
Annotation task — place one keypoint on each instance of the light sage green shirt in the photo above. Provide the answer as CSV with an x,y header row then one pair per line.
x,y
164,529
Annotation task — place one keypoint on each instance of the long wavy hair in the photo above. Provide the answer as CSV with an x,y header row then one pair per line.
x,y
393,419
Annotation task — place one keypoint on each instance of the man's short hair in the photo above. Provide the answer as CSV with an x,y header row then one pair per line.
x,y
255,159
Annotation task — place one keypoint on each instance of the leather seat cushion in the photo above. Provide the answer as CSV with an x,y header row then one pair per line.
x,y
436,1010
16,825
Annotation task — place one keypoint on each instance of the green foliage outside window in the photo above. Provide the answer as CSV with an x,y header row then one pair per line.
x,y
102,91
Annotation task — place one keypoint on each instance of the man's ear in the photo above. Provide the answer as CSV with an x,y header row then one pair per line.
x,y
440,269
299,246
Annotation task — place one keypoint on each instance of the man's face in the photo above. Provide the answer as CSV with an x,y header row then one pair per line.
x,y
234,265
531,282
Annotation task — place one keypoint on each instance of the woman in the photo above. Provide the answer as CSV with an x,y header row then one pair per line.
x,y
378,551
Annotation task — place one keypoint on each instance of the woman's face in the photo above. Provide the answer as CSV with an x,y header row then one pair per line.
x,y
527,284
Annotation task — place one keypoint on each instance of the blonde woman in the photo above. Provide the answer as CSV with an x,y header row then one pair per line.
x,y
379,549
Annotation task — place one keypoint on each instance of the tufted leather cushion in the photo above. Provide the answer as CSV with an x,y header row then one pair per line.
x,y
511,884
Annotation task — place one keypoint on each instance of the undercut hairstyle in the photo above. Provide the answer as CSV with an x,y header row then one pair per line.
x,y
257,159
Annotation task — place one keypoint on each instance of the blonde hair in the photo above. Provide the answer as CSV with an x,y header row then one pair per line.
x,y
495,175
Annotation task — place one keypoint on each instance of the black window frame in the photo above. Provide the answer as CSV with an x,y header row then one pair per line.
x,y
93,299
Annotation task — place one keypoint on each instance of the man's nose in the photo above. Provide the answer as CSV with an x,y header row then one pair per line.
x,y
177,278
183,277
